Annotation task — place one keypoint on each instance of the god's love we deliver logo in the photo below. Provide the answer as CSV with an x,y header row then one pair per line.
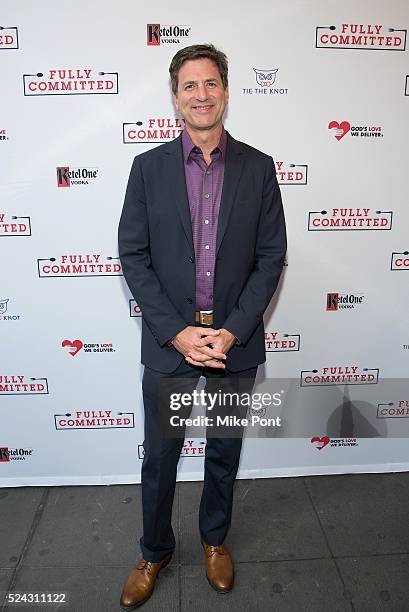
x,y
73,347
343,128
71,81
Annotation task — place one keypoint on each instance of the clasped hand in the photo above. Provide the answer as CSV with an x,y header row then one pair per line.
x,y
204,346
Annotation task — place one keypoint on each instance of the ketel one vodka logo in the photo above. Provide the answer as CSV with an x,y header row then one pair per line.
x,y
291,174
368,36
18,384
94,419
14,454
339,375
343,301
8,38
14,225
349,219
67,176
154,130
276,342
94,264
158,34
74,82
400,261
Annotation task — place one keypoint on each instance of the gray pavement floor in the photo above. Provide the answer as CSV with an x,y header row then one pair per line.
x,y
319,543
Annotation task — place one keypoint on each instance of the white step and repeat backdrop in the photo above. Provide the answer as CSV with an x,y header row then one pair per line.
x,y
321,86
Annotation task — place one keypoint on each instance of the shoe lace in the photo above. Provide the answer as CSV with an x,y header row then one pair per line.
x,y
145,566
213,550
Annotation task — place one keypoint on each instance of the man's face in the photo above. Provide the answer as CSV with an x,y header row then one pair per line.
x,y
200,98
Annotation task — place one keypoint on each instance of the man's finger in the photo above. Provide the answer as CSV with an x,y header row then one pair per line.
x,y
208,331
209,352
213,363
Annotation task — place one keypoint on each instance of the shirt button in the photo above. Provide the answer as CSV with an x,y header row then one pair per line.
x,y
207,196
207,273
207,246
206,221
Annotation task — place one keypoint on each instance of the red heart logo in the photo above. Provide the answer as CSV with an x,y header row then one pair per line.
x,y
75,346
323,441
340,129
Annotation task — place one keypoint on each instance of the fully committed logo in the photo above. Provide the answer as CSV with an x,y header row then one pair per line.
x,y
343,301
153,130
393,410
3,134
94,264
73,347
8,38
291,174
134,309
276,342
341,129
18,384
4,304
157,34
13,225
68,176
400,260
339,375
407,85
349,219
265,79
94,419
326,441
376,37
74,82
191,448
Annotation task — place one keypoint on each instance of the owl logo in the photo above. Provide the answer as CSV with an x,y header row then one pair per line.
x,y
3,306
266,78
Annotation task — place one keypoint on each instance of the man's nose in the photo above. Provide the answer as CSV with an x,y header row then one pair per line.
x,y
201,92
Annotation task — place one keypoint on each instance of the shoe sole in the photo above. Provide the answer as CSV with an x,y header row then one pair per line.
x,y
140,603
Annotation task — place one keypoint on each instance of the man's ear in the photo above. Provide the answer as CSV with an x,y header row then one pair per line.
x,y
175,100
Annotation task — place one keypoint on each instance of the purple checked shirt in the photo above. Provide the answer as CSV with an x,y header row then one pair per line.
x,y
204,188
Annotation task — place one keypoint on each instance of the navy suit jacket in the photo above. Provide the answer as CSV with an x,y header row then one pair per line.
x,y
158,259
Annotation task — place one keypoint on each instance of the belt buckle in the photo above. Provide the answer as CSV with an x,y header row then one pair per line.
x,y
201,315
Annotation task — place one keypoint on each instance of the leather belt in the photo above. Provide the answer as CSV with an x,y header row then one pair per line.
x,y
205,317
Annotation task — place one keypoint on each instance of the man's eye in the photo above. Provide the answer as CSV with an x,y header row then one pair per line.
x,y
211,84
189,86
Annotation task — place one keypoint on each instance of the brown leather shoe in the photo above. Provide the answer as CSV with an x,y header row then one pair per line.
x,y
141,581
219,567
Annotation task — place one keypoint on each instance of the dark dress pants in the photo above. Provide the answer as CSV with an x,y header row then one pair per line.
x,y
161,456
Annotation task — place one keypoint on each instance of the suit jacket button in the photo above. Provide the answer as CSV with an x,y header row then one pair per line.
x,y
191,259
189,300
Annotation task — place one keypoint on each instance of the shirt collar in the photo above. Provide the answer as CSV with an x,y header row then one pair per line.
x,y
188,145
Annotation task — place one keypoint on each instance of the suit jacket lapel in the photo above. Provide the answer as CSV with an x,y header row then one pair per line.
x,y
232,174
177,179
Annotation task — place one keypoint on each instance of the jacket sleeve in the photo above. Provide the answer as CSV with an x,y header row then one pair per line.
x,y
158,311
271,246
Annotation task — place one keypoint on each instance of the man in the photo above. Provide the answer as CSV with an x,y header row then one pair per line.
x,y
202,243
